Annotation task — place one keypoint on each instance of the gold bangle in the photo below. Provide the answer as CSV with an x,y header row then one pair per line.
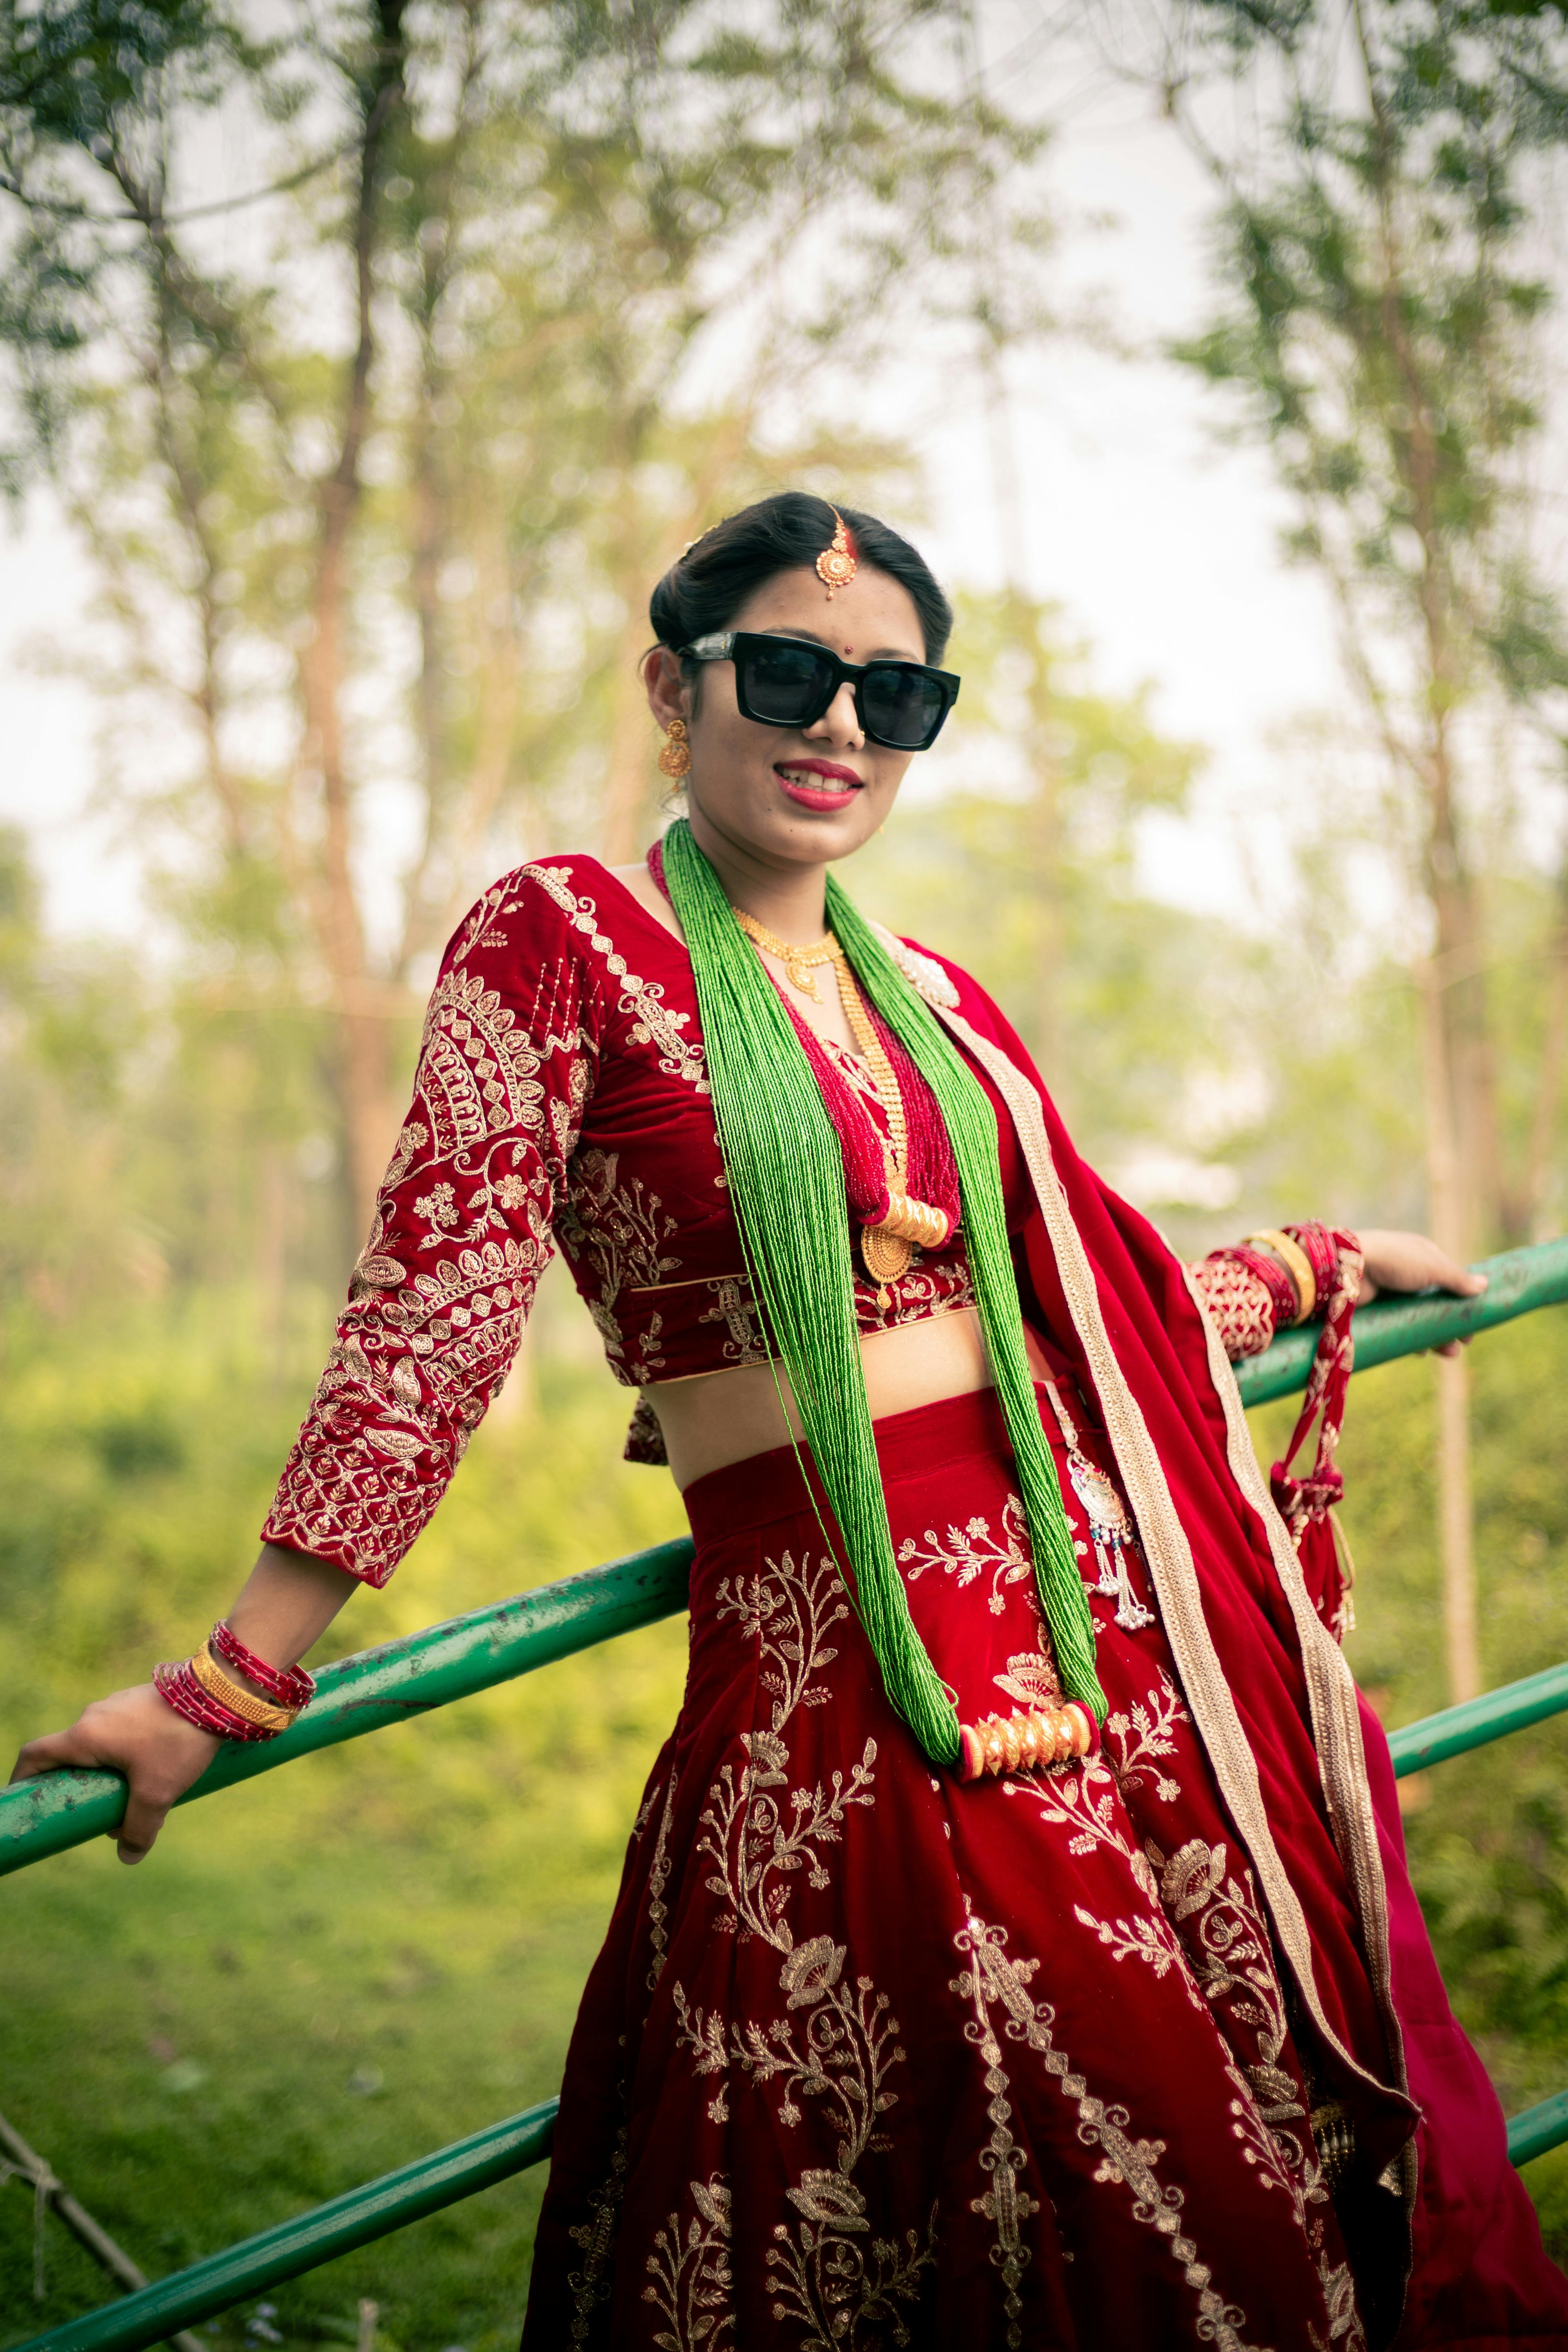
x,y
233,1694
1297,1264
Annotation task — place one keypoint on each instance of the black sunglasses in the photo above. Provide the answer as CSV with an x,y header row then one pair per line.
x,y
790,682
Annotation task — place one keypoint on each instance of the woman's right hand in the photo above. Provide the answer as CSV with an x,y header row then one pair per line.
x,y
133,1732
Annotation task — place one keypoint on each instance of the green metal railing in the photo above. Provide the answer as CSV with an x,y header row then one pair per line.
x,y
404,1679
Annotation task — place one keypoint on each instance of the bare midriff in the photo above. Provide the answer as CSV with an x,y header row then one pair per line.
x,y
718,1418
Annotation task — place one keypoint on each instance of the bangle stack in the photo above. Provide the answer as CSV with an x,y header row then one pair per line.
x,y
288,1686
1299,1269
1297,1266
198,1689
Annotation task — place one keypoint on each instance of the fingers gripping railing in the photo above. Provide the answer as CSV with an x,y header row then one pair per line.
x,y
407,1678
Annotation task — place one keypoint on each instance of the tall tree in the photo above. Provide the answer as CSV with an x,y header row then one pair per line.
x,y
1383,329
378,472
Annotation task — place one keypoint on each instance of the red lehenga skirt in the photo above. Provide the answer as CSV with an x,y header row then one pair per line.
x,y
871,2057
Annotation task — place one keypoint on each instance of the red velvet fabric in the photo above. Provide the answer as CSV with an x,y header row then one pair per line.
x,y
871,2057
561,1099
562,1093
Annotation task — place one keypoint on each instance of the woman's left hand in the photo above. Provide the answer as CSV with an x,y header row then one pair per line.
x,y
1393,1261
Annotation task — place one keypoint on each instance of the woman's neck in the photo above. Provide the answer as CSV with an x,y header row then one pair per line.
x,y
788,900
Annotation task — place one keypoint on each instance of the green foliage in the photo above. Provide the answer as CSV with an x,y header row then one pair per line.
x,y
354,1963
1024,870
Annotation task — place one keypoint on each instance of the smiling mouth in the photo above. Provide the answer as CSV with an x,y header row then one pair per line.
x,y
818,784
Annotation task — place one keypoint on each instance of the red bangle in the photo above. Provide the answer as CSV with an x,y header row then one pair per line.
x,y
177,1686
288,1686
1321,1251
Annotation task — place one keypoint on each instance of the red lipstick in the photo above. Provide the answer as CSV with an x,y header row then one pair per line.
x,y
836,790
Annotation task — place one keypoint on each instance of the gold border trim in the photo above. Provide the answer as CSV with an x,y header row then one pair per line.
x,y
1342,1760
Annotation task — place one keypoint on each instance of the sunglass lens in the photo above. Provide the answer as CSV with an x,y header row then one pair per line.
x,y
785,685
904,707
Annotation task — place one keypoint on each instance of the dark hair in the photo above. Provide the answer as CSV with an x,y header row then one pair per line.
x,y
709,583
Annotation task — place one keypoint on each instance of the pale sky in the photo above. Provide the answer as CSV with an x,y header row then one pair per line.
x,y
1159,546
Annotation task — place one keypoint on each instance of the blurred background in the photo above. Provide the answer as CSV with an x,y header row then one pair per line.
x,y
363,368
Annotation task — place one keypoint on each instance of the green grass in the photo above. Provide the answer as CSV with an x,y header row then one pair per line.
x,y
329,1971
340,1966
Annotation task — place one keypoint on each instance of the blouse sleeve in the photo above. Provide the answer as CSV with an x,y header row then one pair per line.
x,y
1239,1304
460,1236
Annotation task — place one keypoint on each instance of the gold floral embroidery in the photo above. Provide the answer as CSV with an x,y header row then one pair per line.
x,y
477,1069
752,1840
692,2284
844,2294
971,1552
1218,1916
734,1308
1031,1678
658,1879
595,2282
1090,1801
992,1980
1345,2326
419,1355
838,2040
653,1022
1208,1924
936,1283
622,1231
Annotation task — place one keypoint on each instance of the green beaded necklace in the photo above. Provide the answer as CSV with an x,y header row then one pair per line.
x,y
785,1174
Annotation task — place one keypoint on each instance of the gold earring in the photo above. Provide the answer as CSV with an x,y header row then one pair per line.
x,y
675,757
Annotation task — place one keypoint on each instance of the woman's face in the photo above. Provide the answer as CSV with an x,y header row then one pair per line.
x,y
787,796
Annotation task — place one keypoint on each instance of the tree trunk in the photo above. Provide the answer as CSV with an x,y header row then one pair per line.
x,y
1050,938
631,770
1535,1220
1456,1510
1456,1531
361,1057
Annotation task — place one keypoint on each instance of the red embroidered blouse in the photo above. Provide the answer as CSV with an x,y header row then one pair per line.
x,y
560,1096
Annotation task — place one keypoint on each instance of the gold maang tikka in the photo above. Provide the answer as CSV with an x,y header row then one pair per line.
x,y
836,566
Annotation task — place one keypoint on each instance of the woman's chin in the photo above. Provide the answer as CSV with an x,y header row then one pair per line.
x,y
774,823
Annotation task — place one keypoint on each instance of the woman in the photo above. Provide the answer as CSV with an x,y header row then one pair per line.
x,y
1014,1946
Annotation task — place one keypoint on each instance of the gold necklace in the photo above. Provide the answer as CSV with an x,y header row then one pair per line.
x,y
909,1224
798,962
